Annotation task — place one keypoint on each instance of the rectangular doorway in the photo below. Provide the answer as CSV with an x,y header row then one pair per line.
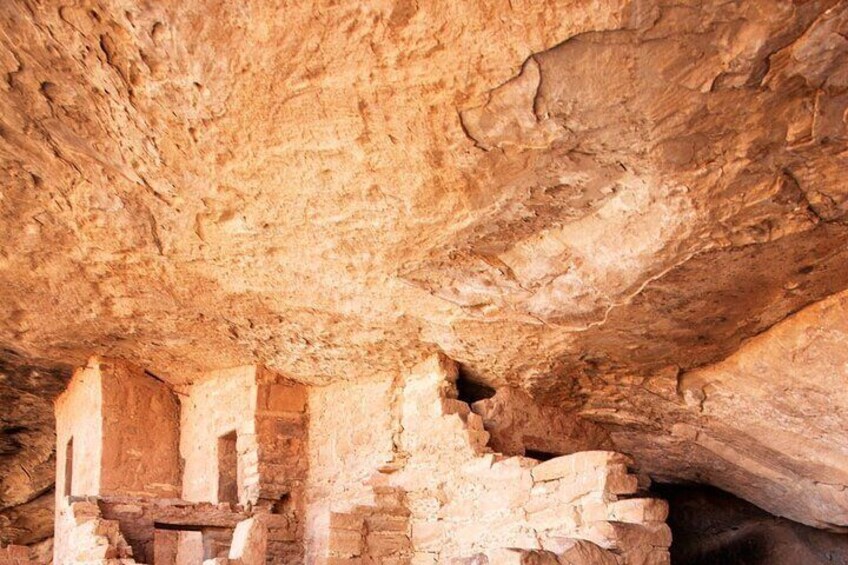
x,y
228,468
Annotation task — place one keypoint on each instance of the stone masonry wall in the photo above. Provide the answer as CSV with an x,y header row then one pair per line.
x,y
351,430
372,533
78,416
124,426
90,539
282,463
140,433
388,471
464,500
269,415
78,411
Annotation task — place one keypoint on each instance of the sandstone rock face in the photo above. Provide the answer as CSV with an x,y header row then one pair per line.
x,y
607,205
766,424
27,447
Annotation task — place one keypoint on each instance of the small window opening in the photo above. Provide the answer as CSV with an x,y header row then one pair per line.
x,y
227,469
69,467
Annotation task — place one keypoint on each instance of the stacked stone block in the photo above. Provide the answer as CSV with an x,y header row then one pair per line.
x,y
281,463
92,539
372,534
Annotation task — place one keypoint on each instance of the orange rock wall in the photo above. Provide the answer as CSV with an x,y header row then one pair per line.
x,y
15,555
140,434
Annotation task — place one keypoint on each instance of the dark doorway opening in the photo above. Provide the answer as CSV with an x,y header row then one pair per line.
x,y
228,468
69,467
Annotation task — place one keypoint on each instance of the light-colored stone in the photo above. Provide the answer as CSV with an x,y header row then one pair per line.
x,y
638,510
581,552
249,545
568,466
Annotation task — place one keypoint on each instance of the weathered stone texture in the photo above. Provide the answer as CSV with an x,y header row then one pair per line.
x,y
517,424
27,447
767,424
596,202
250,542
16,555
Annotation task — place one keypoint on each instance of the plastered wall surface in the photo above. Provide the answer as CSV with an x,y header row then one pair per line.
x,y
219,404
78,416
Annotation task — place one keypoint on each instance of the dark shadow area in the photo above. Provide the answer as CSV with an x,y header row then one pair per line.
x,y
540,455
69,468
469,390
711,527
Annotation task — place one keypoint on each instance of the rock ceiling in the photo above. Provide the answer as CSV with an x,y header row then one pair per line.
x,y
592,200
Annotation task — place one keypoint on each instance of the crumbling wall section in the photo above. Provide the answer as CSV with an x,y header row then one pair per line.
x,y
461,500
465,499
89,538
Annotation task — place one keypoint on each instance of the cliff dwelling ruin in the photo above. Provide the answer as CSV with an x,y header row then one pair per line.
x,y
424,282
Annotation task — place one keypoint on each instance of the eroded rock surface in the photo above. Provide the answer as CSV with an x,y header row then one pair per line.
x,y
767,424
27,447
589,201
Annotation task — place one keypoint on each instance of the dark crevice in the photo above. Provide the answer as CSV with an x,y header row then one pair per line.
x,y
540,455
471,391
